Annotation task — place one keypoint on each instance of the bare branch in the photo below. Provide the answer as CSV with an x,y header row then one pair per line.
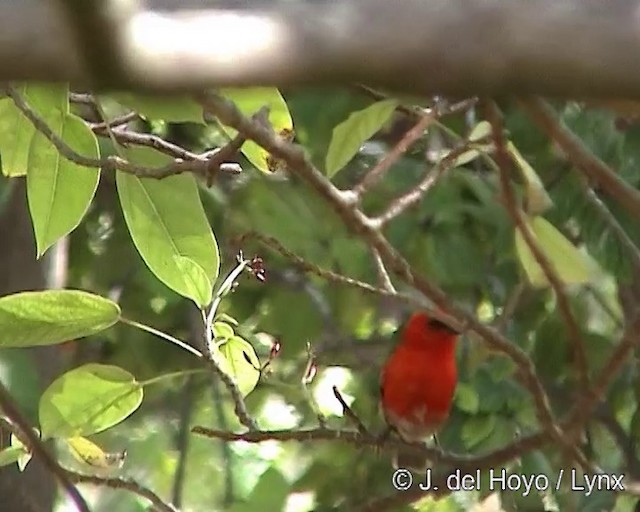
x,y
375,174
28,437
329,275
348,412
589,164
383,274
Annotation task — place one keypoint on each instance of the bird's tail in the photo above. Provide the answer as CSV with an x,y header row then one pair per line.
x,y
412,457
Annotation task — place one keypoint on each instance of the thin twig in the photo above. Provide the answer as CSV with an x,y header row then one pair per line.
x,y
126,484
417,192
612,222
35,446
374,175
329,275
348,412
112,123
589,164
383,275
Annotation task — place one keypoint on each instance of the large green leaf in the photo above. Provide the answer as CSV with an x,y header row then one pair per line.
x,y
53,316
349,135
572,265
239,360
16,131
168,224
88,400
270,493
168,108
59,190
249,101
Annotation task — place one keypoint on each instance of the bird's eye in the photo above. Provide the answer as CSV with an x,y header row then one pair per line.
x,y
441,326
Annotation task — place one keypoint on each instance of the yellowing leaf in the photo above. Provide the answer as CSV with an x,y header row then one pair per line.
x,y
91,454
538,200
572,265
249,101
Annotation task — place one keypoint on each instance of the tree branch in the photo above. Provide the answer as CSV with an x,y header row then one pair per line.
x,y
122,483
589,164
33,443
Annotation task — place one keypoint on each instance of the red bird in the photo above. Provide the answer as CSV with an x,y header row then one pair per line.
x,y
419,378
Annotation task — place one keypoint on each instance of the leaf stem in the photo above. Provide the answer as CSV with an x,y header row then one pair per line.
x,y
162,335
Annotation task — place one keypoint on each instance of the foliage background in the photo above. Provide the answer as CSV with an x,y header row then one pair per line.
x,y
459,235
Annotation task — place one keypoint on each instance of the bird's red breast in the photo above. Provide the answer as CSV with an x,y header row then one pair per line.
x,y
419,378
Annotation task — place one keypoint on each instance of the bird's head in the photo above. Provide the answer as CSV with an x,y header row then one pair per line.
x,y
425,330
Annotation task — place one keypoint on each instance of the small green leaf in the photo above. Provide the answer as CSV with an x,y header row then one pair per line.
x,y
222,331
59,190
45,318
249,101
89,453
169,108
537,199
239,360
166,220
25,455
466,398
11,454
348,136
572,265
480,131
88,400
198,282
477,428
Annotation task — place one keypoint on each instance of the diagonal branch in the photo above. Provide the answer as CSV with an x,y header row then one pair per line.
x,y
376,173
589,164
26,434
122,483
503,160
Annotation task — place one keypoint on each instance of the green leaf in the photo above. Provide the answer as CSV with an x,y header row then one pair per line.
x,y
271,491
349,135
249,101
572,265
166,221
11,454
54,316
466,398
88,400
168,108
537,199
222,330
59,190
477,428
197,281
239,360
16,131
